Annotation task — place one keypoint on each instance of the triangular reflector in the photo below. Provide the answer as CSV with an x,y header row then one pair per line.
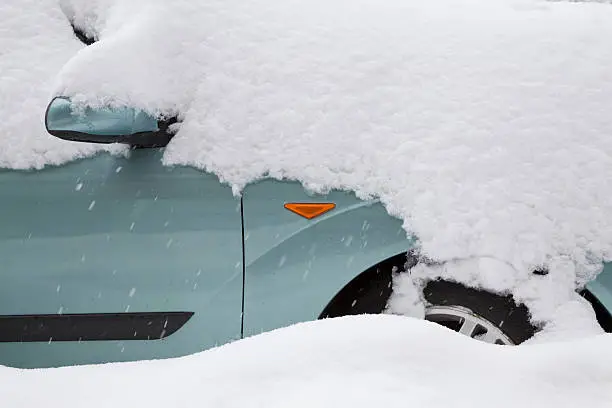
x,y
310,210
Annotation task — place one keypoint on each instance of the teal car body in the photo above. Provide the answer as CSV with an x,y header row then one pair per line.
x,y
130,239
114,235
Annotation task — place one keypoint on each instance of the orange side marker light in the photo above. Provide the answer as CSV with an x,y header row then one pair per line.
x,y
310,210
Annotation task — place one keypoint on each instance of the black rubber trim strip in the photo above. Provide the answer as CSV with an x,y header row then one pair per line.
x,y
91,326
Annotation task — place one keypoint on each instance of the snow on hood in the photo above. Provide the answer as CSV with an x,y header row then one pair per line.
x,y
342,362
484,124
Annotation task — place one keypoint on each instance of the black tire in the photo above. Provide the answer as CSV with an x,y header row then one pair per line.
x,y
501,311
369,293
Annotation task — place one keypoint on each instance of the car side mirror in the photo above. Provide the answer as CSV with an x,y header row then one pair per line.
x,y
105,125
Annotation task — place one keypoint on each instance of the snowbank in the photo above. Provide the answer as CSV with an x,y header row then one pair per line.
x,y
355,362
484,125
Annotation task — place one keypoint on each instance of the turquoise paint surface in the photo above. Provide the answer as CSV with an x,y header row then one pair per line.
x,y
295,266
112,235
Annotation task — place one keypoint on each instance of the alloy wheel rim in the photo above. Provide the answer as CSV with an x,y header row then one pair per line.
x,y
464,321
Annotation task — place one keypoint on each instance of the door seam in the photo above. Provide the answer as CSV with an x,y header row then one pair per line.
x,y
243,268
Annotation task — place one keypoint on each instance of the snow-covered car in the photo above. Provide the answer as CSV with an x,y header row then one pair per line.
x,y
119,258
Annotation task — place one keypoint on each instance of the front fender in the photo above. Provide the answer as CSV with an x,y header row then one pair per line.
x,y
295,266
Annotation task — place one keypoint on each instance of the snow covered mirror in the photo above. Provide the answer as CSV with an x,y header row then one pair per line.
x,y
104,125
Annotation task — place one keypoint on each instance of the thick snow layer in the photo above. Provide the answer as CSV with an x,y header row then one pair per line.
x,y
365,361
35,42
484,124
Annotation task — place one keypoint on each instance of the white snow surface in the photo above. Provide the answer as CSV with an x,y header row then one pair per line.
x,y
357,361
484,124
35,43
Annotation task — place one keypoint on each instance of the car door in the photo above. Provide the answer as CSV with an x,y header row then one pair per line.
x,y
100,248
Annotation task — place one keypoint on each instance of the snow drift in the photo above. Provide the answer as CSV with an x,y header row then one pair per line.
x,y
352,362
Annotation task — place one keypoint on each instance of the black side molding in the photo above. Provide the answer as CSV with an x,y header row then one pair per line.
x,y
91,326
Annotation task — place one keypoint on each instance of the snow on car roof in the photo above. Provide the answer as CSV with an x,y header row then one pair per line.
x,y
484,125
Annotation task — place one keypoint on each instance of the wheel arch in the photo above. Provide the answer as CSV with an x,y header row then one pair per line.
x,y
380,275
603,315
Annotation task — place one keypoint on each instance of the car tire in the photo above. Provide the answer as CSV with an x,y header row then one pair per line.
x,y
448,304
489,310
